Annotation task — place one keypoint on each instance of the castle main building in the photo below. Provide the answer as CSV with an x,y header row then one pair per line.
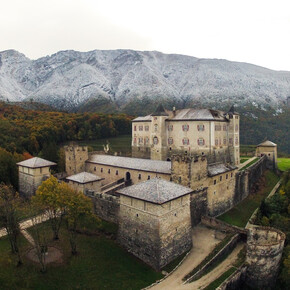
x,y
198,131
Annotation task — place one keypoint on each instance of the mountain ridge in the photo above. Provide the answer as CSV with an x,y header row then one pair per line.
x,y
70,79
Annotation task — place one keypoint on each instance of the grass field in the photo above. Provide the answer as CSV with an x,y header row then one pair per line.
x,y
117,144
100,264
240,214
283,164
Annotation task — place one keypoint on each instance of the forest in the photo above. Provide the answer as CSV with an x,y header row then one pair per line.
x,y
39,133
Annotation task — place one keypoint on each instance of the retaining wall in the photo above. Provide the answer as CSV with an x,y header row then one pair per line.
x,y
235,281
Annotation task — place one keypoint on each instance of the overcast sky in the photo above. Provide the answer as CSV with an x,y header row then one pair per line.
x,y
253,31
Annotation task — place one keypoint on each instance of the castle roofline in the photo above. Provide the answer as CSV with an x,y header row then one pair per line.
x,y
216,169
267,143
156,190
36,162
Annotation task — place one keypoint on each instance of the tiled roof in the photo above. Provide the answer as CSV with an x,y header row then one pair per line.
x,y
189,114
84,177
155,190
267,144
36,162
132,163
219,169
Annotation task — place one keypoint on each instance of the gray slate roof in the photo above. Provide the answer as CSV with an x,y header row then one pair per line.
x,y
132,163
189,115
267,144
155,190
84,177
219,169
36,162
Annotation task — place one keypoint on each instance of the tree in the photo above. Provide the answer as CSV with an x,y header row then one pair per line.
x,y
49,198
77,208
9,216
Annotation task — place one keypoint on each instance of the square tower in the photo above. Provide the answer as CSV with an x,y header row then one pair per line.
x,y
31,174
75,157
154,221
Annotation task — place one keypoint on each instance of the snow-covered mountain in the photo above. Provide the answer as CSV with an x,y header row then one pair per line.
x,y
69,79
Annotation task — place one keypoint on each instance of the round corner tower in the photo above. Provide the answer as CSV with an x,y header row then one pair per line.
x,y
264,251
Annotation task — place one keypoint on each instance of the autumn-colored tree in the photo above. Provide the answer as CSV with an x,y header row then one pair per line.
x,y
50,199
9,216
77,208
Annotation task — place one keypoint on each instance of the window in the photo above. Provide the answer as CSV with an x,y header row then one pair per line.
x,y
227,176
221,178
147,128
237,127
135,128
139,176
155,127
101,169
236,140
40,170
140,128
225,127
231,174
214,182
185,141
200,141
148,177
200,127
236,117
225,141
135,140
185,128
170,140
117,172
155,140
109,171
231,141
170,127
179,179
216,142
146,140
95,169
140,140
218,127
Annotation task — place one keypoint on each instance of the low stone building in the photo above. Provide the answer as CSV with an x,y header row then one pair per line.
x,y
154,221
32,172
268,149
85,181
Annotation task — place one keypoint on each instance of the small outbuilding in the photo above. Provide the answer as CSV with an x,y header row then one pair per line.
x,y
85,181
154,221
269,149
32,172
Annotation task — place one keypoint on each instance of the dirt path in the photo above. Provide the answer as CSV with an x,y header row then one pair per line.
x,y
215,273
204,240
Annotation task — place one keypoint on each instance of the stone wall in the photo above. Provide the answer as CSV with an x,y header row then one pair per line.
x,y
264,251
247,178
235,281
154,233
106,207
75,157
198,205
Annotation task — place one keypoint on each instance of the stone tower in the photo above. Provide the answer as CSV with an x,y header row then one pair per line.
x,y
158,134
269,149
75,157
189,171
32,173
234,136
264,251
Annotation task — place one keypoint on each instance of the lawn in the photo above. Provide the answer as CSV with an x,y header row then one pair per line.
x,y
215,284
100,264
117,144
283,164
240,214
249,164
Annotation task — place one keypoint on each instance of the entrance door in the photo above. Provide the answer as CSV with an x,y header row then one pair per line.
x,y
128,176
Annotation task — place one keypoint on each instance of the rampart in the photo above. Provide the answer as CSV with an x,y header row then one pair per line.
x,y
245,179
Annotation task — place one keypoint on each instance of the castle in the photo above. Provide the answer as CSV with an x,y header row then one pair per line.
x,y
192,173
